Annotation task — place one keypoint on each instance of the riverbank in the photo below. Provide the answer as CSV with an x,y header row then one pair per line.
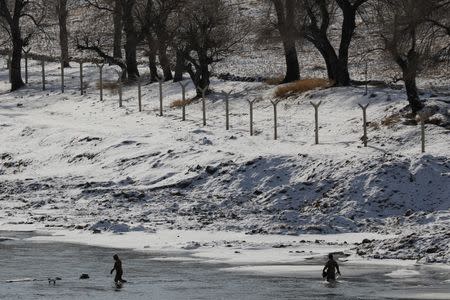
x,y
234,248
73,162
28,260
184,265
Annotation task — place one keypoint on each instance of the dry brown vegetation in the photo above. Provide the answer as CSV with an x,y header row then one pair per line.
x,y
274,80
391,120
113,86
301,86
180,103
374,125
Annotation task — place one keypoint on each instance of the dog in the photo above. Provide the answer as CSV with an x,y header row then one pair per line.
x,y
53,280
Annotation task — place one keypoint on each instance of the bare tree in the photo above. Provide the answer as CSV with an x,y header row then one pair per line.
x,y
411,36
125,9
131,37
118,26
209,32
144,9
162,10
440,20
315,28
96,47
151,52
14,14
283,22
439,16
159,20
115,8
62,13
95,34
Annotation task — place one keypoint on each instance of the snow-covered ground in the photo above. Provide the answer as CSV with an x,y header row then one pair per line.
x,y
241,252
73,162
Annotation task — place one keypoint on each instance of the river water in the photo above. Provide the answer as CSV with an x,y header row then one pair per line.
x,y
150,276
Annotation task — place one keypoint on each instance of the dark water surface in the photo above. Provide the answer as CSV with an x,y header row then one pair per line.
x,y
152,279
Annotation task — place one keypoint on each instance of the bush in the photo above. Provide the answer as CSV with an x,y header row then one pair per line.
x,y
391,120
301,86
374,125
113,86
180,103
274,80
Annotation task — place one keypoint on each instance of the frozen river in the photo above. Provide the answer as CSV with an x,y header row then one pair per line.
x,y
29,264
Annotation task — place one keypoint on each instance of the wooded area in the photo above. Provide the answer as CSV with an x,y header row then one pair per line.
x,y
180,36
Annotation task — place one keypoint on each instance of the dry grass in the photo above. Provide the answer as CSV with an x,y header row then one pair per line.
x,y
374,126
391,120
180,103
108,85
274,80
301,86
438,120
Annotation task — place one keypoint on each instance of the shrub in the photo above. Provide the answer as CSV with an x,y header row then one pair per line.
x,y
274,80
113,86
391,120
374,125
301,86
180,103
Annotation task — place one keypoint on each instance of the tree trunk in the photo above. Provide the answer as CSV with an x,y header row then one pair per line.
x,y
131,39
348,29
205,75
337,69
337,64
333,69
16,75
292,65
286,18
164,60
63,34
325,48
179,68
152,61
409,67
200,77
409,77
118,25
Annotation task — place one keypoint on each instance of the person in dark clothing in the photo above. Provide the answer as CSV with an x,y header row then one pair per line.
x,y
119,271
329,271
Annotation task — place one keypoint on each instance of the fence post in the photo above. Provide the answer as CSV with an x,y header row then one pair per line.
x,y
62,75
227,109
422,118
9,64
364,109
43,74
119,83
160,81
183,98
366,71
250,102
139,94
100,67
81,78
275,121
204,90
26,63
422,125
316,120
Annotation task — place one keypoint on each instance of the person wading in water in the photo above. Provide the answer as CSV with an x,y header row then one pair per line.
x,y
329,271
119,271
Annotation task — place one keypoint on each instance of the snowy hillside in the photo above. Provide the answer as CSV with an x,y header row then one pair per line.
x,y
72,161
